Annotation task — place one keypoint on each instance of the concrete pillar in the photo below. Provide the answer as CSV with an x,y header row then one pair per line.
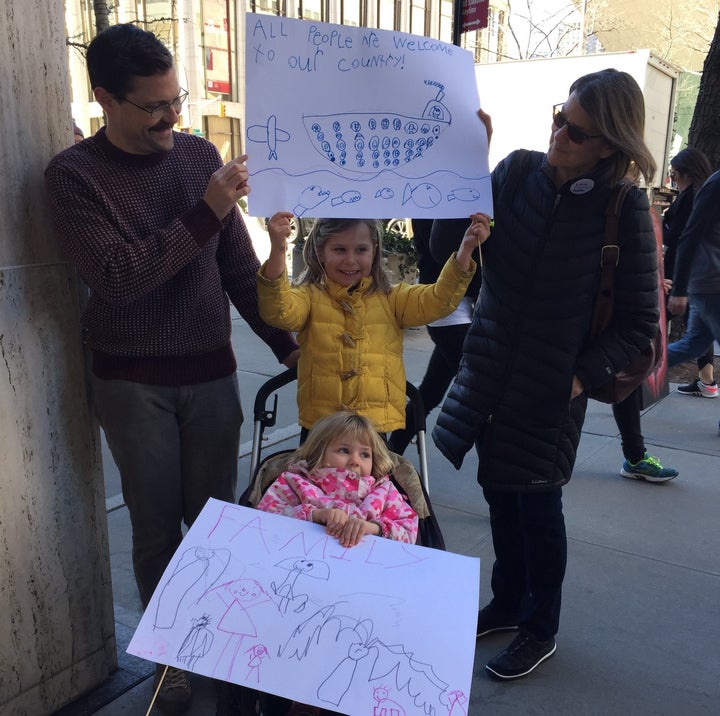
x,y
57,629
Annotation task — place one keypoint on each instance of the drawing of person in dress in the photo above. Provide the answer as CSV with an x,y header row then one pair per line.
x,y
256,655
238,596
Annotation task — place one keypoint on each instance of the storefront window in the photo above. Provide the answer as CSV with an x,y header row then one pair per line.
x,y
446,20
311,10
267,7
351,12
217,46
386,14
418,21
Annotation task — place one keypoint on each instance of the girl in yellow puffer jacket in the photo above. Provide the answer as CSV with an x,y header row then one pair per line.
x,y
348,317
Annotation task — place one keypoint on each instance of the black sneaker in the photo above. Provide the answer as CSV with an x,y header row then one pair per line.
x,y
699,389
491,619
174,696
524,653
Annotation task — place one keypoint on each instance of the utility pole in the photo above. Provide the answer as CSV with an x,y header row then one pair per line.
x,y
457,21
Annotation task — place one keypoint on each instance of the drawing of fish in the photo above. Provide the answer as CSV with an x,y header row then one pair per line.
x,y
384,193
347,197
464,194
269,134
424,195
310,197
372,141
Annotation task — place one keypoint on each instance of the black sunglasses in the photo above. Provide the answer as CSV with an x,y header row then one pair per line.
x,y
575,134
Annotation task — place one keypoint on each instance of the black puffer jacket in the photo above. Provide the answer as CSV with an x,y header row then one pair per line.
x,y
530,332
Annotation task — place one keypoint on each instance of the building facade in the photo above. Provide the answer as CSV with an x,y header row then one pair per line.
x,y
207,38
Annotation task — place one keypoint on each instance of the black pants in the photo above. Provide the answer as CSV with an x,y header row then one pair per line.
x,y
440,372
708,358
627,417
528,531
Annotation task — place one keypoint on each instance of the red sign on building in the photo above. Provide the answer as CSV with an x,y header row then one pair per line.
x,y
474,15
217,46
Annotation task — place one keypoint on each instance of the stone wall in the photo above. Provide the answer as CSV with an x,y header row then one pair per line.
x,y
57,629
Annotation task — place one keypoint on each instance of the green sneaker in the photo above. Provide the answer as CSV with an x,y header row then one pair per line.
x,y
649,469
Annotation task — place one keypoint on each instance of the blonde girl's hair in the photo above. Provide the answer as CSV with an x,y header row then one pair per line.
x,y
324,229
614,101
343,424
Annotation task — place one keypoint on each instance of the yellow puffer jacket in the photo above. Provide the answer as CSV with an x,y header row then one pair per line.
x,y
351,343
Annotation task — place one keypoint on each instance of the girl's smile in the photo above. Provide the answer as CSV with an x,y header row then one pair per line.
x,y
348,255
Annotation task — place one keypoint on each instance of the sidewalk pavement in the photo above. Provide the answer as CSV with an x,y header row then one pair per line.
x,y
640,626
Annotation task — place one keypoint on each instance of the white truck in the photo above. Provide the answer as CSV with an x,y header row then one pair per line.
x,y
520,94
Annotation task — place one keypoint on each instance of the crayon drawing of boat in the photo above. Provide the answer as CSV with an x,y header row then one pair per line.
x,y
373,141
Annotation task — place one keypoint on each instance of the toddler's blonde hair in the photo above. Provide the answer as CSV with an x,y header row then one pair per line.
x,y
337,426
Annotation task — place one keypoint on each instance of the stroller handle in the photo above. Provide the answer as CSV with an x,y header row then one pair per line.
x,y
267,417
260,413
418,407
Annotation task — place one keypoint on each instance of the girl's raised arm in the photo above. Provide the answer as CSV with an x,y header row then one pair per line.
x,y
475,235
279,230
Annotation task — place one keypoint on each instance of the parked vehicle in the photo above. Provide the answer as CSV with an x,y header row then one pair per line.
x,y
519,95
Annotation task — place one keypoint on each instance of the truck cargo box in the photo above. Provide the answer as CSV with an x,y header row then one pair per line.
x,y
520,94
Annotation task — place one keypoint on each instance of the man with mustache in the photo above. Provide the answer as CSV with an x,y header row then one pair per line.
x,y
150,218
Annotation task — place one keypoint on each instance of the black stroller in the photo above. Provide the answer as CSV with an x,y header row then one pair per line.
x,y
236,700
414,485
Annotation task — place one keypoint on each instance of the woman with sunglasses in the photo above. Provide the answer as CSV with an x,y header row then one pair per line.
x,y
519,396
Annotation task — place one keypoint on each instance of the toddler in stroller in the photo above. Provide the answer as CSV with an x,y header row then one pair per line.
x,y
339,477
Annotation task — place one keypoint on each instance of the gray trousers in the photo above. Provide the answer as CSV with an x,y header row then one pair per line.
x,y
175,447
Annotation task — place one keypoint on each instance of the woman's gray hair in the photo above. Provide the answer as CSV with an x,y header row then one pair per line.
x,y
614,102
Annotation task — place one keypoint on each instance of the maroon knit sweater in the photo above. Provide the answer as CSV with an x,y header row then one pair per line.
x,y
159,264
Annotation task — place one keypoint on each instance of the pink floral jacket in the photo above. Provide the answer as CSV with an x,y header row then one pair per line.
x,y
298,492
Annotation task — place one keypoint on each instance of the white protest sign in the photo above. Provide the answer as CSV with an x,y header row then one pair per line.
x,y
274,603
358,122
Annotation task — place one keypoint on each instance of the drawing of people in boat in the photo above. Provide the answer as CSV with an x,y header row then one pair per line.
x,y
373,141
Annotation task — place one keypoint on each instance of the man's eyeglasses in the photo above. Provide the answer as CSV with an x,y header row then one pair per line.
x,y
575,134
160,109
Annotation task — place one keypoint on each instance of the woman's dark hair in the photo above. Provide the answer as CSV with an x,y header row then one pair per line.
x,y
122,52
614,101
693,164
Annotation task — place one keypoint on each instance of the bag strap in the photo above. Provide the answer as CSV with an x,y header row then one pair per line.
x,y
609,257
